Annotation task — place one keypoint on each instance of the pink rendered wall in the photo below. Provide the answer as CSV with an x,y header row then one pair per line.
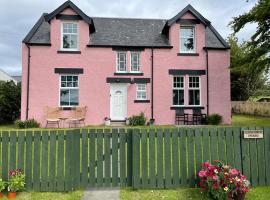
x,y
99,63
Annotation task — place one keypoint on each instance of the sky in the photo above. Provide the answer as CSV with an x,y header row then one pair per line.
x,y
17,17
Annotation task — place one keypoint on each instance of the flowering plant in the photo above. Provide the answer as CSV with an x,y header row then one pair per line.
x,y
220,181
2,185
16,180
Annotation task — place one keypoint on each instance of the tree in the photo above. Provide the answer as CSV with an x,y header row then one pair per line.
x,y
260,40
10,101
247,74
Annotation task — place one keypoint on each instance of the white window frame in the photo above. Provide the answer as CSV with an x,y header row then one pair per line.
x,y
195,88
62,33
60,87
117,62
194,39
178,88
139,61
137,97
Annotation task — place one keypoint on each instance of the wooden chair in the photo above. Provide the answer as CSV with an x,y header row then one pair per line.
x,y
198,116
52,116
180,116
78,117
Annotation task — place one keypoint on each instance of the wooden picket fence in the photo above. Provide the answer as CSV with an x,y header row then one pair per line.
x,y
65,160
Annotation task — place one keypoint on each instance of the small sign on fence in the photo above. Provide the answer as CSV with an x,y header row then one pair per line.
x,y
250,134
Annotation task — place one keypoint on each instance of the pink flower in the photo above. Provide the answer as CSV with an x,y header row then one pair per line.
x,y
202,173
234,171
206,164
215,177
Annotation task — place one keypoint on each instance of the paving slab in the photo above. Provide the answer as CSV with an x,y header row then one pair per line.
x,y
102,194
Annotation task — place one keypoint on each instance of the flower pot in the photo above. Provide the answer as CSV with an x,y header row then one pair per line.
x,y
239,196
107,122
1,194
11,195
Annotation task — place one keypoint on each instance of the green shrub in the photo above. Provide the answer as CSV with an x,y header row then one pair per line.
x,y
214,119
30,123
137,120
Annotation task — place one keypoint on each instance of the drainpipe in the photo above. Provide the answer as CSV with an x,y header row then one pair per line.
x,y
207,82
27,84
152,86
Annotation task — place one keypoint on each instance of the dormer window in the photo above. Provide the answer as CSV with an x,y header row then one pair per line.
x,y
187,39
69,36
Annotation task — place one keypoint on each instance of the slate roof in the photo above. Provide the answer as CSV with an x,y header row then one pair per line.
x,y
125,31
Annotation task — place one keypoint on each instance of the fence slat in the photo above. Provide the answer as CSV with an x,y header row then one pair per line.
x,y
99,158
191,166
60,161
267,152
122,157
230,147
136,159
175,158
28,160
144,165
213,144
13,148
37,156
107,143
129,157
183,157
52,164
152,159
222,144
245,157
115,154
5,157
92,161
206,144
253,162
160,158
167,158
237,148
84,177
21,148
76,156
261,161
69,161
198,149
44,161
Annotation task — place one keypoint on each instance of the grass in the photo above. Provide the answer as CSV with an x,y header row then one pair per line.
x,y
48,196
249,120
258,193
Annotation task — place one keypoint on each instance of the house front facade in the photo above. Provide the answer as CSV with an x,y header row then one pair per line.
x,y
119,67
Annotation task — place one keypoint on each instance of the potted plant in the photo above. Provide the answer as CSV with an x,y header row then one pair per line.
x,y
2,187
16,182
127,121
107,121
221,181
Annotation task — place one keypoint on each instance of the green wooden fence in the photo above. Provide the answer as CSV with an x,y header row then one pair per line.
x,y
58,160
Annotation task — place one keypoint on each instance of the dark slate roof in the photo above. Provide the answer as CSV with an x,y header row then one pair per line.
x,y
125,32
128,32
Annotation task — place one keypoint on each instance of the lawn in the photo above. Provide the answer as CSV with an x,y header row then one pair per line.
x,y
258,193
248,120
48,196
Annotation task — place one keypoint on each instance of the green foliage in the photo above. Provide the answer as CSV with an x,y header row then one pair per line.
x,y
260,40
247,71
10,101
137,120
2,185
214,119
16,180
31,123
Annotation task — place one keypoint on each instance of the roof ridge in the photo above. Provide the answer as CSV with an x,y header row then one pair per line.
x,y
128,18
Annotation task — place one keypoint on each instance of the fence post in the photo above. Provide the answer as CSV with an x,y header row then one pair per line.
x,y
129,157
136,159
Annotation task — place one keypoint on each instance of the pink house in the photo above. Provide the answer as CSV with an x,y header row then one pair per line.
x,y
119,67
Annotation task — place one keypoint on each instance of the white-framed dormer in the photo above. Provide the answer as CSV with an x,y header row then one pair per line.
x,y
70,30
187,32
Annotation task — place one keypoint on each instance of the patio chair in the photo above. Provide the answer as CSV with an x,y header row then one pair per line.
x,y
180,116
78,116
198,116
52,116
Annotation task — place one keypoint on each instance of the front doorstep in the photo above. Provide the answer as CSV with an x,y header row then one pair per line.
x,y
118,122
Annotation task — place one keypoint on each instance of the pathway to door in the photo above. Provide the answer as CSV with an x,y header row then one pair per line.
x,y
104,194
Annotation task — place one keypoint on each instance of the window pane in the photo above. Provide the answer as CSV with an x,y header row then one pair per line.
x,y
73,41
64,97
135,61
74,97
187,38
178,97
194,97
66,41
178,82
121,61
187,32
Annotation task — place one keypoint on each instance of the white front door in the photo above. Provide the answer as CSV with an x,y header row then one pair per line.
x,y
118,102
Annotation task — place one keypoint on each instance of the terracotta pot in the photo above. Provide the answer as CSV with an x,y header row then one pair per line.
x,y
11,195
240,196
1,194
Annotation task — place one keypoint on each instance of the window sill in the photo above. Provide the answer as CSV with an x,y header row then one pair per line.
x,y
68,108
187,54
141,101
186,107
69,52
128,74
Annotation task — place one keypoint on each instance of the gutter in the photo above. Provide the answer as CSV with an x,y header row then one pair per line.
x,y
152,120
207,82
28,80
